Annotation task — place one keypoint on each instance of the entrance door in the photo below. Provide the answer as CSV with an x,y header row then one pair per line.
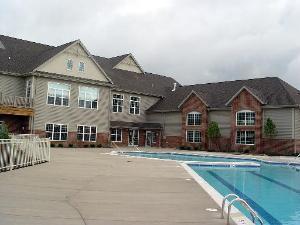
x,y
133,137
149,138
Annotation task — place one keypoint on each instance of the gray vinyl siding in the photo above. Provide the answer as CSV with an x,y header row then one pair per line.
x,y
12,85
223,118
297,123
72,115
145,103
283,119
170,121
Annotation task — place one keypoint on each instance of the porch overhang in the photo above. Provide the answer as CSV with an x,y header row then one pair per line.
x,y
9,110
122,124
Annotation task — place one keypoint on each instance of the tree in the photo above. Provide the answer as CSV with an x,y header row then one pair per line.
x,y
213,133
270,128
3,132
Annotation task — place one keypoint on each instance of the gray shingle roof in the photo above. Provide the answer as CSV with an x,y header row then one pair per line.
x,y
147,83
20,56
272,90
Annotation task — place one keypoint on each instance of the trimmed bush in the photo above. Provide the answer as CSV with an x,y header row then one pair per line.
x,y
71,145
92,146
52,145
4,132
85,146
60,145
99,146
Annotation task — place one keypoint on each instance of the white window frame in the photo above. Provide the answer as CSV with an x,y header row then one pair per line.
x,y
90,133
71,60
69,93
194,131
116,134
194,113
52,133
135,107
245,121
85,100
240,142
120,99
79,64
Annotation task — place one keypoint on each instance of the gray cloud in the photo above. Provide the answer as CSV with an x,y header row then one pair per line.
x,y
194,41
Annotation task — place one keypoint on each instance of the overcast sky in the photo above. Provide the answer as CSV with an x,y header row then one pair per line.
x,y
194,41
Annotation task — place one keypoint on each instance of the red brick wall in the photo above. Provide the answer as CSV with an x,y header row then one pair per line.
x,y
246,101
102,138
171,141
278,146
193,103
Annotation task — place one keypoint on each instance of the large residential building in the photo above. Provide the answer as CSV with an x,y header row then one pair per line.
x,y
73,97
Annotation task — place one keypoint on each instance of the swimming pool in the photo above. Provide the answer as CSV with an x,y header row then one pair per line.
x,y
272,190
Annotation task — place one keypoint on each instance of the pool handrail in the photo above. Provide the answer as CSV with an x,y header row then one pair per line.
x,y
253,214
224,200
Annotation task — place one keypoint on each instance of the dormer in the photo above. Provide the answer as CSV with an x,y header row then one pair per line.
x,y
129,63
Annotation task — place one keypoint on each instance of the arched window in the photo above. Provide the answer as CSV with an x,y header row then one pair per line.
x,y
193,119
245,118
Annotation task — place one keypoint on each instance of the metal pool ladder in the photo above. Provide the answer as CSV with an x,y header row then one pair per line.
x,y
236,198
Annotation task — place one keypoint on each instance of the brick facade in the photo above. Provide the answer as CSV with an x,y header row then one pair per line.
x,y
171,141
194,104
246,101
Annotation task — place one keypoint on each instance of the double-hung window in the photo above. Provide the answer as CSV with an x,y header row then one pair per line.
x,y
69,64
245,118
58,94
193,118
88,97
116,135
134,107
245,137
86,133
56,132
117,102
193,136
81,67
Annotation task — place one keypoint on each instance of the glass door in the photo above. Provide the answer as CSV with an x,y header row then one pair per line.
x,y
133,137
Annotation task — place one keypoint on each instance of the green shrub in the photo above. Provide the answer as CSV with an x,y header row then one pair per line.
x,y
52,145
71,145
99,146
60,145
3,132
85,146
92,145
270,128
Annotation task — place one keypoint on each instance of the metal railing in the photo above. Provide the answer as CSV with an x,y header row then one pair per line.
x,y
17,153
254,215
15,101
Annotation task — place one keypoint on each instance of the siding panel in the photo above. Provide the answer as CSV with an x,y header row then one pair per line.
x,y
12,85
72,115
283,121
223,118
171,122
145,103
297,123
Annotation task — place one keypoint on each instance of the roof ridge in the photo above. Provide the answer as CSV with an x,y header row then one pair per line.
x,y
229,81
20,39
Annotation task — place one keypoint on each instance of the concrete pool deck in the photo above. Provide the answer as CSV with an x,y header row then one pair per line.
x,y
83,186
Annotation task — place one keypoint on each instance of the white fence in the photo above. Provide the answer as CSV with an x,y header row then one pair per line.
x,y
16,153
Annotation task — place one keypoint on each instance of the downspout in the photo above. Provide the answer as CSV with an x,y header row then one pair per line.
x,y
293,129
109,114
33,103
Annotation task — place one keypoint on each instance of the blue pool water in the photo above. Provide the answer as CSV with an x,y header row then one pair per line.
x,y
273,190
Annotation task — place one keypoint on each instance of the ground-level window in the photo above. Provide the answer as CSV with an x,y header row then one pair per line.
x,y
245,118
193,136
116,135
56,132
134,105
58,94
88,97
117,102
245,137
86,133
193,118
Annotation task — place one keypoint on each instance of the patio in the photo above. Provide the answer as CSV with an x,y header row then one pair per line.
x,y
83,186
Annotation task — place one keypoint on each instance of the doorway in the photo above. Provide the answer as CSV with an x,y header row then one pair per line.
x,y
133,137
